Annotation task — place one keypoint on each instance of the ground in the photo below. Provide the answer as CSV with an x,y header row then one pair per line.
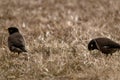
x,y
57,33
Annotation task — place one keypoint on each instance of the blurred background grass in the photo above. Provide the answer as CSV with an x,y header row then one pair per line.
x,y
57,33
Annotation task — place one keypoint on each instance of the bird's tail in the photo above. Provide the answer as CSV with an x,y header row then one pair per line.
x,y
116,46
23,49
119,47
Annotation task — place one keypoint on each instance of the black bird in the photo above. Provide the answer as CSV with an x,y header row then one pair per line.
x,y
104,45
16,41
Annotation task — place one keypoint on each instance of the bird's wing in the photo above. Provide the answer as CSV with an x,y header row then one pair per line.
x,y
17,40
107,43
20,42
112,45
106,47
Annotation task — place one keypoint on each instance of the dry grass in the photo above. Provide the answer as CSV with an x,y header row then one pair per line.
x,y
57,33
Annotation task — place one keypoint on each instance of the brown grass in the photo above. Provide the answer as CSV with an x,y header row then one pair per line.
x,y
57,33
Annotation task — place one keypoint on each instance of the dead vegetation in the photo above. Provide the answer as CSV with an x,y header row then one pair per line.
x,y
57,33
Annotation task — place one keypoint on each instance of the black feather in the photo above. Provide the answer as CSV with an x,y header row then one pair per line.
x,y
104,45
16,41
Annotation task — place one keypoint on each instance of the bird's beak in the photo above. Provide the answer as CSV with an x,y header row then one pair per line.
x,y
5,29
90,51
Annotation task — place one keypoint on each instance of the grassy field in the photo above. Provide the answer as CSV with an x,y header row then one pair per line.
x,y
57,33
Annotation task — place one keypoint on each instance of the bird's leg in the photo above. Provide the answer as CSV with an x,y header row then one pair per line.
x,y
106,55
111,54
18,53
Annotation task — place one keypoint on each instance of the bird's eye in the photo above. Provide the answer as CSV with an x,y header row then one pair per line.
x,y
11,30
91,45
